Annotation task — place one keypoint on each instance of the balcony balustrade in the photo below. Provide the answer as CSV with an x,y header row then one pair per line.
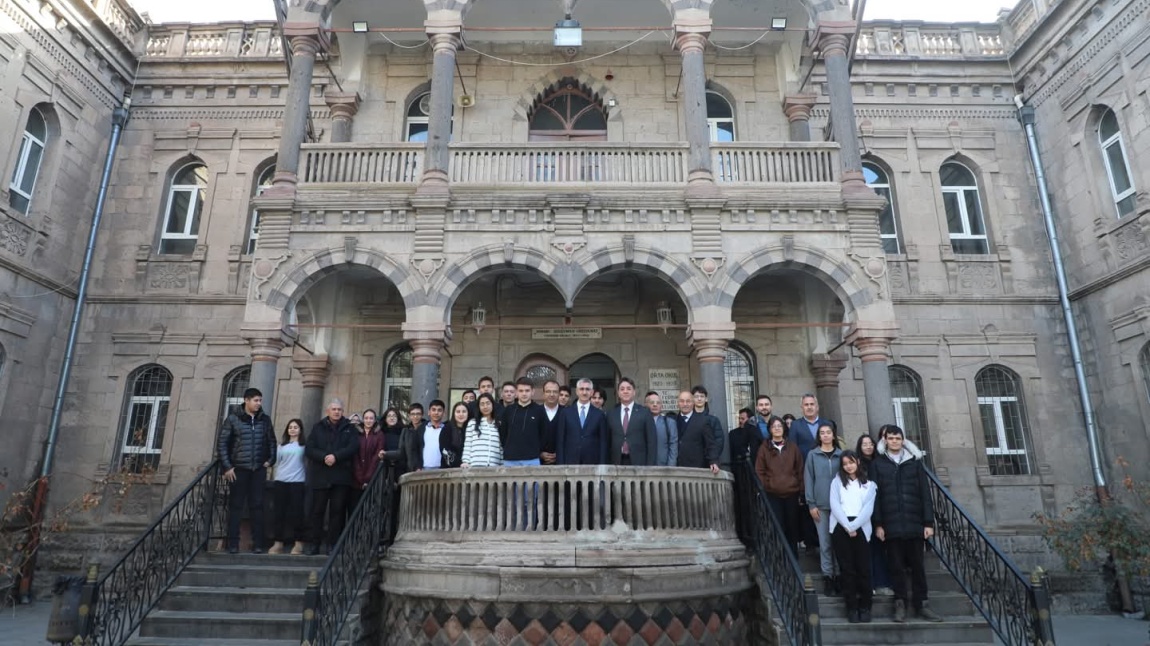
x,y
625,164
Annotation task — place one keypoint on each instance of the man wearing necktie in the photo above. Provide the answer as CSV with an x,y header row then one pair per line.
x,y
581,435
633,440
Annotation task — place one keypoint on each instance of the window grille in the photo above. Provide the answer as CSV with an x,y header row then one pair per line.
x,y
145,418
1004,425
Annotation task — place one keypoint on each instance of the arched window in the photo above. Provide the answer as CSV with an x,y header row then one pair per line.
x,y
963,204
145,416
1004,425
739,374
397,379
909,409
186,195
568,111
720,117
1117,166
263,182
1144,362
418,113
27,169
235,383
879,181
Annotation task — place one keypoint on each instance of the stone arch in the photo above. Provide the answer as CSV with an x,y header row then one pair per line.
x,y
459,275
840,276
595,87
680,276
294,282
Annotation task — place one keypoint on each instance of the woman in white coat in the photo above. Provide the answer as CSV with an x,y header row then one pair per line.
x,y
852,503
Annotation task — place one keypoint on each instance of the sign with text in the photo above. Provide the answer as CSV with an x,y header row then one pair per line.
x,y
560,333
664,381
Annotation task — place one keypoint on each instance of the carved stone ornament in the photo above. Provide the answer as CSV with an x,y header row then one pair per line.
x,y
977,276
1129,243
629,248
875,269
14,237
264,268
427,266
168,275
709,265
569,248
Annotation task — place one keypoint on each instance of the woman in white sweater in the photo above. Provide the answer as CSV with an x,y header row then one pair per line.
x,y
481,444
852,503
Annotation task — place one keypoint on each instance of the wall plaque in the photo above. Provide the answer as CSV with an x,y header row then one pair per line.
x,y
552,333
665,381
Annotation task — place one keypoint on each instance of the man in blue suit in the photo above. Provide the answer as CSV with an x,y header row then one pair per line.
x,y
582,435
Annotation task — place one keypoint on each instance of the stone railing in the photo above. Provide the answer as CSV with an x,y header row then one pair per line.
x,y
1024,16
920,40
563,163
119,16
231,40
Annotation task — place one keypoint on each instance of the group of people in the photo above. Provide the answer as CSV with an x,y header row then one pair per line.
x,y
870,507
867,510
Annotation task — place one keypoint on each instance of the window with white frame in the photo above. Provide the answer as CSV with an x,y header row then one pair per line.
x,y
418,114
397,379
739,374
1004,424
879,181
964,221
145,417
262,184
185,205
909,409
1117,165
1144,362
27,169
720,118
235,383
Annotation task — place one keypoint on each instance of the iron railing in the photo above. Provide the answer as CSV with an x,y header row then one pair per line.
x,y
131,587
331,594
796,602
1017,607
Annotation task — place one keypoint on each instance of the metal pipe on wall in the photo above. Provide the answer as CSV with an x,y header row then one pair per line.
x,y
1027,116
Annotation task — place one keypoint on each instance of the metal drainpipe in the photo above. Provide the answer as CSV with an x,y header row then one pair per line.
x,y
1026,115
39,501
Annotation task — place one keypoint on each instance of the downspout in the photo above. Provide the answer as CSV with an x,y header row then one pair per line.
x,y
1026,115
40,498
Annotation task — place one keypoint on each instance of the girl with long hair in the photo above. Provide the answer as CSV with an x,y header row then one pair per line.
x,y
822,466
392,453
457,424
371,442
852,503
288,492
780,469
867,450
481,443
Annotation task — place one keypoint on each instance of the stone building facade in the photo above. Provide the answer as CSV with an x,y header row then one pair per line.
x,y
447,196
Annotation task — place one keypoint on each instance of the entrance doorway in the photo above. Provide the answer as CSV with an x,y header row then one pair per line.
x,y
601,370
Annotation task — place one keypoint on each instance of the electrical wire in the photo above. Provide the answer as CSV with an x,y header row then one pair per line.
x,y
560,64
57,290
423,44
741,47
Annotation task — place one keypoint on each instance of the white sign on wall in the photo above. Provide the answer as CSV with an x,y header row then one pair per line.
x,y
665,381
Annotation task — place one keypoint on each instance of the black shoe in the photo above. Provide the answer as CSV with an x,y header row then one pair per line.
x,y
837,581
233,550
865,616
311,550
853,616
829,587
259,550
926,614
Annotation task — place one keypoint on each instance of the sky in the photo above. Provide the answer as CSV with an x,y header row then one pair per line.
x,y
220,10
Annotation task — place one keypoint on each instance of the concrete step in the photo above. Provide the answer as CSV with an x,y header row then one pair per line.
x,y
951,632
245,576
952,604
936,581
231,599
222,625
223,558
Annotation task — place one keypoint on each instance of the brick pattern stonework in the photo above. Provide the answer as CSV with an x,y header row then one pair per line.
x,y
410,621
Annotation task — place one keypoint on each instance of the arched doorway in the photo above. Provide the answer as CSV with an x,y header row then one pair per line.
x,y
601,370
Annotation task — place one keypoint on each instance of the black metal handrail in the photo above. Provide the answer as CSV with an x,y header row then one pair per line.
x,y
794,596
132,586
1017,607
331,594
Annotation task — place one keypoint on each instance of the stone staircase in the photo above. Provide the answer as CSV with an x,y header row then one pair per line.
x,y
963,626
227,600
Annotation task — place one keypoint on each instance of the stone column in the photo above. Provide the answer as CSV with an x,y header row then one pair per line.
x,y
266,348
343,106
306,41
826,369
832,39
690,39
798,110
437,155
711,353
314,370
875,352
426,354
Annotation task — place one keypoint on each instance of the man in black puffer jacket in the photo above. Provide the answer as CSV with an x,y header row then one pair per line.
x,y
903,519
247,447
331,448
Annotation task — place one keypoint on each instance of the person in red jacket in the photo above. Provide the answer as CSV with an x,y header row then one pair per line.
x,y
371,442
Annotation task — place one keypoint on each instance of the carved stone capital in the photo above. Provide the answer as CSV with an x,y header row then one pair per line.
x,y
798,107
690,42
872,340
343,105
826,369
833,38
445,42
267,344
314,370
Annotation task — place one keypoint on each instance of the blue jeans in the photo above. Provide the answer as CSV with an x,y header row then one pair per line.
x,y
519,501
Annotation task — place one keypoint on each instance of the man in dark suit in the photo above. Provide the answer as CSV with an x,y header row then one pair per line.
x,y
633,441
697,446
804,437
552,409
582,436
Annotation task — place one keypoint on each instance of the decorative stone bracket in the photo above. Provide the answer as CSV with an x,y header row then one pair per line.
x,y
179,274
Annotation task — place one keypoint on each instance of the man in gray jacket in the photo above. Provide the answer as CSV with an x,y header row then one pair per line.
x,y
666,432
247,447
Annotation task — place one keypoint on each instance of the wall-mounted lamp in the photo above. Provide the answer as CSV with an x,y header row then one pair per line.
x,y
778,24
612,103
478,317
568,32
664,316
359,27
